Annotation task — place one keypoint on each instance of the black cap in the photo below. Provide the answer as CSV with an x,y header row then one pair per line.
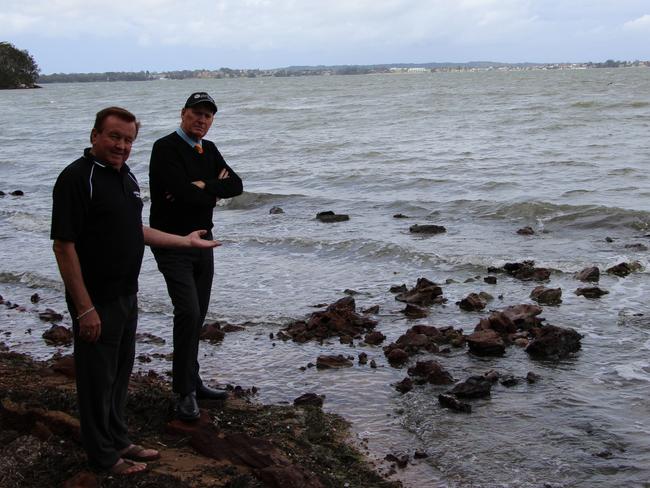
x,y
201,97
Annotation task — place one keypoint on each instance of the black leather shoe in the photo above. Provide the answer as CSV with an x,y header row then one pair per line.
x,y
206,393
186,408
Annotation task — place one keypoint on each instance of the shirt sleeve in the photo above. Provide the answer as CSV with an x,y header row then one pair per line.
x,y
225,188
69,207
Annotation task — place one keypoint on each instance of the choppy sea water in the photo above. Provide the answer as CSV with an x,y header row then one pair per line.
x,y
483,154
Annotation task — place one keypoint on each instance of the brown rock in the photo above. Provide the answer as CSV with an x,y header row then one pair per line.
x,y
589,274
473,387
472,303
554,343
309,399
329,217
452,403
50,315
621,269
371,310
363,358
427,229
84,479
424,293
415,312
526,231
212,333
65,366
374,338
404,386
546,296
332,362
58,335
397,356
432,372
490,280
591,292
486,343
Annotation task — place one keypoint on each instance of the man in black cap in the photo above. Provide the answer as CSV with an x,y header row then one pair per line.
x,y
187,175
99,243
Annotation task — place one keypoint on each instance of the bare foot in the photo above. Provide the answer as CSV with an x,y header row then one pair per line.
x,y
125,467
134,452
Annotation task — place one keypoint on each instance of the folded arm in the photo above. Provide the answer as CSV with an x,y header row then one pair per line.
x,y
158,238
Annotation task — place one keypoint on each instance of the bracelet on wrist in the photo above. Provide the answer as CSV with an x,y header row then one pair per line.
x,y
85,313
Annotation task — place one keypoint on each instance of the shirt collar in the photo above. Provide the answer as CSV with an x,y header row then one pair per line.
x,y
188,139
90,157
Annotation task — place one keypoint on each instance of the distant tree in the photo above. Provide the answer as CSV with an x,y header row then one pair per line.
x,y
17,67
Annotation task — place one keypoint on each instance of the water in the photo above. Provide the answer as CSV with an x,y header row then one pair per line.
x,y
482,154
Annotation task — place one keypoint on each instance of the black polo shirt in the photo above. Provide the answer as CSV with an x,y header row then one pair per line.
x,y
100,210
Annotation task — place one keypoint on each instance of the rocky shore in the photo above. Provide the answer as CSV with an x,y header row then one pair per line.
x,y
236,443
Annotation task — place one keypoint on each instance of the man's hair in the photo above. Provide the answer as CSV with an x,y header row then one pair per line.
x,y
119,112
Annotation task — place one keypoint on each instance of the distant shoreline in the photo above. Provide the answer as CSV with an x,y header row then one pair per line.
x,y
397,68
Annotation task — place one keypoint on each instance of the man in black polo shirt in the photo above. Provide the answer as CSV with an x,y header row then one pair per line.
x,y
187,175
99,243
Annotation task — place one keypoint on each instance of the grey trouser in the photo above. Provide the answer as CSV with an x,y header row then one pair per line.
x,y
103,370
188,274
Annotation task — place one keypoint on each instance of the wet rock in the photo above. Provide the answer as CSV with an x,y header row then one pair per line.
x,y
35,298
350,292
339,319
332,362
146,338
276,210
58,335
526,231
415,340
424,293
453,403
374,338
397,356
398,289
492,376
415,312
420,455
363,358
329,217
472,303
532,377
546,296
401,460
609,239
521,342
490,280
144,358
554,342
17,193
591,292
432,372
591,273
509,380
2,194
404,386
309,399
373,364
525,271
472,387
637,246
371,310
400,216
621,269
427,229
50,315
345,339
212,333
486,343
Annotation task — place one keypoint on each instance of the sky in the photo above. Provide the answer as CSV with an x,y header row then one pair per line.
x,y
67,36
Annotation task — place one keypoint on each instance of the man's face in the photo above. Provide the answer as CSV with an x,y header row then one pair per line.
x,y
196,120
112,144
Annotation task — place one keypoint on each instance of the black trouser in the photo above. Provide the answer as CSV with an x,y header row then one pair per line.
x,y
103,370
188,274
